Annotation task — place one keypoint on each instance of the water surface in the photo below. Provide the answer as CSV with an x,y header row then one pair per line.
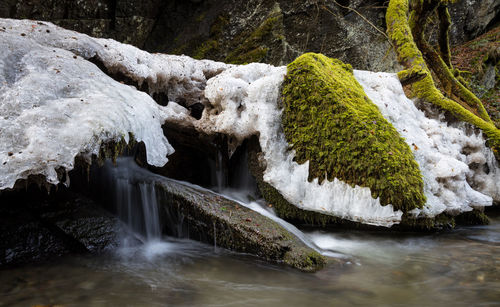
x,y
461,267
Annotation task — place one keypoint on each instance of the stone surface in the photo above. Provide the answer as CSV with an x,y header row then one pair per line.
x,y
274,32
209,217
37,227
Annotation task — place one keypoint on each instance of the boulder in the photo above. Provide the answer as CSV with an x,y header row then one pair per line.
x,y
211,218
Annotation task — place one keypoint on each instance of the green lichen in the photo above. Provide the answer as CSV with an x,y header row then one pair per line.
x,y
330,122
399,23
252,49
205,48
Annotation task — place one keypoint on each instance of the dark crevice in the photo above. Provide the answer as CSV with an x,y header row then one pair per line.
x,y
112,14
493,24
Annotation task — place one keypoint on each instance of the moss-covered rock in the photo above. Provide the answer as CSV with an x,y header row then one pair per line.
x,y
253,46
312,218
330,122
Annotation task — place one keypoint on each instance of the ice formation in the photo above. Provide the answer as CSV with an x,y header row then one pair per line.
x,y
449,157
245,102
55,104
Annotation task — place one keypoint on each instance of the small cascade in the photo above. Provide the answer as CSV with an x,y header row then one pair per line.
x,y
134,201
220,173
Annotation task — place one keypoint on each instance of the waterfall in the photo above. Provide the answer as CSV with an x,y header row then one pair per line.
x,y
134,201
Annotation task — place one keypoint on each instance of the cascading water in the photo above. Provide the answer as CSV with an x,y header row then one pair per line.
x,y
135,201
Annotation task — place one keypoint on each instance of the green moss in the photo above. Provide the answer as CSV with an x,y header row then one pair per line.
x,y
330,122
474,217
112,150
205,48
218,26
292,213
305,260
251,48
439,222
201,17
398,28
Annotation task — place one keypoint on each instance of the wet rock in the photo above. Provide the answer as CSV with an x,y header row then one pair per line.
x,y
27,240
83,221
208,217
35,227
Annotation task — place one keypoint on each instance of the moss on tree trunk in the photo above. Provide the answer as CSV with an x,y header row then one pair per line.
x,y
405,28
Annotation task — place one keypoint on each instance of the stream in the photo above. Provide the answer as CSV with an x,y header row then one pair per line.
x,y
461,267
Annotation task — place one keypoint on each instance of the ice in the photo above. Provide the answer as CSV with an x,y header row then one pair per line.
x,y
450,159
56,104
244,103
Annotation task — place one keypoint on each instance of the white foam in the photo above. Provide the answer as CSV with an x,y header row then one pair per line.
x,y
444,153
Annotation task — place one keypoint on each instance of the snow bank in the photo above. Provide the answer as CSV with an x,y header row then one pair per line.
x,y
55,105
181,77
450,159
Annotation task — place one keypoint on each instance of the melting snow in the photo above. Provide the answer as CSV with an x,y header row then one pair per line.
x,y
55,105
443,152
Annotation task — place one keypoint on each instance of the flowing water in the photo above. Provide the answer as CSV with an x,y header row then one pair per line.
x,y
459,267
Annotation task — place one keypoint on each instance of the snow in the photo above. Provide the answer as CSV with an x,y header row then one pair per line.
x,y
181,77
450,158
56,104
244,101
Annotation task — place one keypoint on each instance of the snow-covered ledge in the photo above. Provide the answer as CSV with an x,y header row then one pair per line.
x,y
55,104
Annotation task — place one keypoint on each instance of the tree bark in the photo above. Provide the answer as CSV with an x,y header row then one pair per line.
x,y
453,89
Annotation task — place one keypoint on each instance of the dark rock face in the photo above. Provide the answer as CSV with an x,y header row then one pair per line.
x,y
274,32
126,21
37,227
472,18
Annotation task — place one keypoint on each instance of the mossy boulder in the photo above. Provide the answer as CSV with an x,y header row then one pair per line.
x,y
330,122
312,218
